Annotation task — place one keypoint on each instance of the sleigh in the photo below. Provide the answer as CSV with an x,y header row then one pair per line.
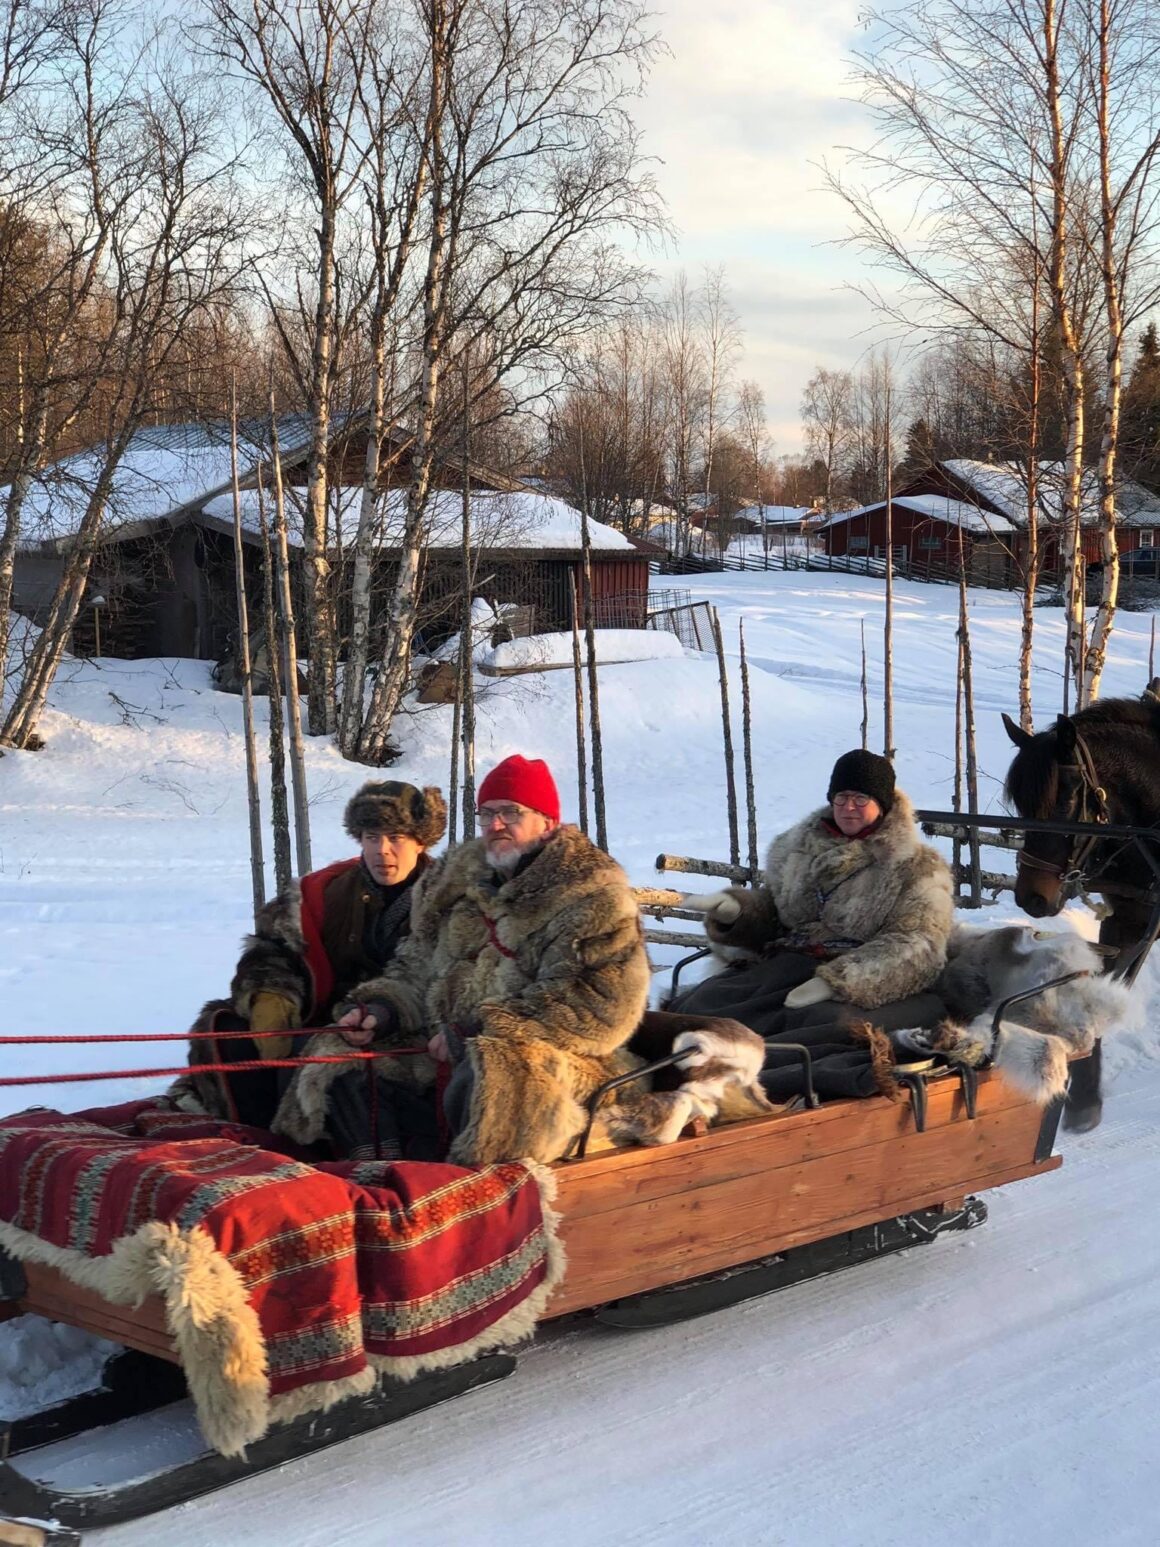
x,y
652,1236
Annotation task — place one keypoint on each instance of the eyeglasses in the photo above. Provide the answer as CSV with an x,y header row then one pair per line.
x,y
850,798
506,816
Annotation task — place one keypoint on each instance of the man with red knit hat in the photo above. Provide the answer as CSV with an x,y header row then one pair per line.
x,y
525,971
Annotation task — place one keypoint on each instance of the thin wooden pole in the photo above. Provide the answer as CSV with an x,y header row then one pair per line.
x,y
290,658
593,686
578,679
972,767
257,862
888,622
467,581
865,690
1152,652
456,733
747,745
957,798
279,806
727,736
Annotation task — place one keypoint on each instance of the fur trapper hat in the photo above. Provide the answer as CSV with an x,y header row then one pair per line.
x,y
393,807
866,774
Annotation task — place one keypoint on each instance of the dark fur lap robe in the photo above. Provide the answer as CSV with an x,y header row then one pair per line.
x,y
286,1286
852,1054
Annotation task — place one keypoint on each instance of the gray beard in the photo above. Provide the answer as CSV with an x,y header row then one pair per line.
x,y
506,862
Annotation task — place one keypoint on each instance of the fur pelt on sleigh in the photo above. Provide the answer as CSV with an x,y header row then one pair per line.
x,y
1036,1037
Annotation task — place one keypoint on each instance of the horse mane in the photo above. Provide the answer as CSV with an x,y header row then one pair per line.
x,y
1032,778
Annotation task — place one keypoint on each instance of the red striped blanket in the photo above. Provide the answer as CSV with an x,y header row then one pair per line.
x,y
288,1285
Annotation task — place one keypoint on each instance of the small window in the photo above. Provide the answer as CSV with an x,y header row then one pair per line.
x,y
859,545
929,540
1147,538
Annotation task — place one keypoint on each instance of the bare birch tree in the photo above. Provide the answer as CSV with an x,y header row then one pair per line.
x,y
1122,38
155,196
828,424
533,165
306,59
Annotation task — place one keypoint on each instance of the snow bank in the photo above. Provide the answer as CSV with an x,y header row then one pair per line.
x,y
550,652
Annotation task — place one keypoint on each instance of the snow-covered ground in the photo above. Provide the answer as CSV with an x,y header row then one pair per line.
x,y
995,1388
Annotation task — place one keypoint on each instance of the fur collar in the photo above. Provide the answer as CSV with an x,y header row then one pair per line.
x,y
894,840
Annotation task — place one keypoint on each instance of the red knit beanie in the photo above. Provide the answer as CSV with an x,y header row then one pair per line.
x,y
526,782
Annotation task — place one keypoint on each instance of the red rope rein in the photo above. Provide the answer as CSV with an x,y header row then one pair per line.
x,y
242,1066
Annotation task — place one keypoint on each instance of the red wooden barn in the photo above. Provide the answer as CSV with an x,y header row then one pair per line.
x,y
983,506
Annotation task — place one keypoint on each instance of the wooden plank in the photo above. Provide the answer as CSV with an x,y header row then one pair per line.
x,y
609,1179
575,1295
52,1295
735,1220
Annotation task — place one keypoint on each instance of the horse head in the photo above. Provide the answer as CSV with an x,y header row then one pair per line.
x,y
1049,780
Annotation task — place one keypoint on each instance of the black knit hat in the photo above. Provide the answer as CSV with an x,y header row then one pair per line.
x,y
394,807
866,774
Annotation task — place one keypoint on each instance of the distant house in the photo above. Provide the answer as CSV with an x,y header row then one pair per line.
x,y
163,575
983,506
926,531
779,520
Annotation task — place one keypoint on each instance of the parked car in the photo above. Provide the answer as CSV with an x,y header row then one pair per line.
x,y
1140,563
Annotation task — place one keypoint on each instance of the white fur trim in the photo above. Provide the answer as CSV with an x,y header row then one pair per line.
x,y
1035,1063
207,1310
745,1057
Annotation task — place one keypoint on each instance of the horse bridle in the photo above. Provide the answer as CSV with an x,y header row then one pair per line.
x,y
1092,794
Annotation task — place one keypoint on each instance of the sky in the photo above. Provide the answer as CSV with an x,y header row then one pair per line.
x,y
754,94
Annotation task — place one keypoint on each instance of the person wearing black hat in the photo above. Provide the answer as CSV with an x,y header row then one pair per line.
x,y
313,944
850,926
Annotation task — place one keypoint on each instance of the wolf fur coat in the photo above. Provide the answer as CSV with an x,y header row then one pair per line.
x,y
1036,1038
545,977
879,907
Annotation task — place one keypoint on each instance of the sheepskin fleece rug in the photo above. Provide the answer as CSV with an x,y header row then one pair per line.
x,y
1037,1037
287,1286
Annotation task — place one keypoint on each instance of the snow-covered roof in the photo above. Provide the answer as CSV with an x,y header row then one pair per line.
x,y
517,520
165,468
936,507
777,515
1004,485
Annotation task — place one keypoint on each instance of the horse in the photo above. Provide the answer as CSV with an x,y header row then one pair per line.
x,y
1101,766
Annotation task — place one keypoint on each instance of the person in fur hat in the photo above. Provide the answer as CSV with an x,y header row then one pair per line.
x,y
525,972
312,944
844,940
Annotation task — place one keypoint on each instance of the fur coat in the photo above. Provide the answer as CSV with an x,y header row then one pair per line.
x,y
545,975
880,907
1036,1038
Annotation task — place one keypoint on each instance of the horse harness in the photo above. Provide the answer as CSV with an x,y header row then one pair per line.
x,y
1092,795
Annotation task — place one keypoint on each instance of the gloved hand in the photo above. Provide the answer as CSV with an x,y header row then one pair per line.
x,y
273,1012
722,907
359,1024
813,991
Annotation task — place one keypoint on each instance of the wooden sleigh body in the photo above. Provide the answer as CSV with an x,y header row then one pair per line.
x,y
648,1233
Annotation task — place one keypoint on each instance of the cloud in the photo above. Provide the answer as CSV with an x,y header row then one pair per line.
x,y
754,96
